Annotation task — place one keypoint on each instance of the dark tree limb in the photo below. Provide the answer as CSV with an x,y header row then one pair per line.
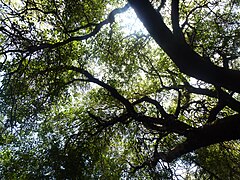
x,y
220,105
104,123
169,124
177,31
179,107
154,102
114,93
224,96
222,130
97,28
188,61
214,111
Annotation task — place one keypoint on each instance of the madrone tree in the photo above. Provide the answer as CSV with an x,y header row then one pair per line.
x,y
88,94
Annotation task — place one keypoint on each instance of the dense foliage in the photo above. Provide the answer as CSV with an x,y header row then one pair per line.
x,y
88,92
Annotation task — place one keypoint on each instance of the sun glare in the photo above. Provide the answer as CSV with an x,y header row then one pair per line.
x,y
130,23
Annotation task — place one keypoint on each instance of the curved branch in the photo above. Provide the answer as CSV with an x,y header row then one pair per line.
x,y
187,60
109,88
224,129
34,48
154,102
169,125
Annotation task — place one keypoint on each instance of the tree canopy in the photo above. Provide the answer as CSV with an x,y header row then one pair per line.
x,y
119,89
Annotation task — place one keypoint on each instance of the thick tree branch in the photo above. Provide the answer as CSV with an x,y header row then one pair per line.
x,y
175,20
214,111
222,130
179,107
188,61
114,93
220,94
229,100
109,88
168,125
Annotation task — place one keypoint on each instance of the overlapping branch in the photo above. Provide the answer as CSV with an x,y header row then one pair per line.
x,y
188,61
41,46
196,137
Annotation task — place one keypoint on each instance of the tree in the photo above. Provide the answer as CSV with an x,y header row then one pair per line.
x,y
82,97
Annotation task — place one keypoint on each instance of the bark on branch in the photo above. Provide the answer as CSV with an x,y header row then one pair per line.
x,y
192,64
175,20
222,130
188,61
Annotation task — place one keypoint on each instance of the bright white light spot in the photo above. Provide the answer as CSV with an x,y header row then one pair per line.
x,y
130,23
